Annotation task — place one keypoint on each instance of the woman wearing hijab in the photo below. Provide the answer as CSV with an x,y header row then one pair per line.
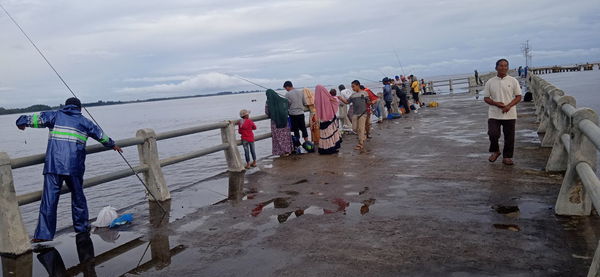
x,y
277,110
327,106
309,96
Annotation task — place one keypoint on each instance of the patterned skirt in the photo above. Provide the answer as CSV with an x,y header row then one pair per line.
x,y
281,139
330,139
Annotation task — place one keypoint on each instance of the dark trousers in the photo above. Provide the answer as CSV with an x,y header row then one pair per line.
x,y
404,102
298,124
46,227
508,128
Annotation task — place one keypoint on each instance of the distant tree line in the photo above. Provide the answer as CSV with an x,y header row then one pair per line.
x,y
40,108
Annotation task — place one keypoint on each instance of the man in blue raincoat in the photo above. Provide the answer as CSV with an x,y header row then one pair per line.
x,y
65,162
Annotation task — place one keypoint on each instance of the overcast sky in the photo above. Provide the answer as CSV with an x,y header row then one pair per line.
x,y
123,50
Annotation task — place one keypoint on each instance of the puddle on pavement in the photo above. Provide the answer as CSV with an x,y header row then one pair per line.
x,y
103,252
277,203
405,175
193,225
502,209
344,207
509,227
290,192
365,190
299,182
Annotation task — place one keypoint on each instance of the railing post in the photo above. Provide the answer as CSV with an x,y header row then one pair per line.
x,y
14,239
554,112
572,199
154,178
450,85
232,154
21,265
559,156
544,115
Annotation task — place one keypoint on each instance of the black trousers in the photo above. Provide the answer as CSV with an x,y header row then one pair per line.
x,y
404,102
298,124
508,128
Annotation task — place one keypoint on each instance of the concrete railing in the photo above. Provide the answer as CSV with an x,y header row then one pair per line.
x,y
14,238
574,136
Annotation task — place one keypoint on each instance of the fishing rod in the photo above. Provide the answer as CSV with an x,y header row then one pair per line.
x,y
74,95
398,59
244,79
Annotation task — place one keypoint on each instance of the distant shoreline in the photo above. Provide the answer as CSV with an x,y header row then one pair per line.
x,y
40,107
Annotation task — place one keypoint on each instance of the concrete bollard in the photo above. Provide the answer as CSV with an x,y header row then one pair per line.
x,y
14,239
573,199
544,118
594,270
232,154
554,112
236,186
159,237
557,162
154,178
21,265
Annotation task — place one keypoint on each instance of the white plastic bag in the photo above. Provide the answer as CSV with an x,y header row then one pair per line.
x,y
105,217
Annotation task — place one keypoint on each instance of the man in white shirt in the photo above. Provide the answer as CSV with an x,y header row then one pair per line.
x,y
344,113
502,93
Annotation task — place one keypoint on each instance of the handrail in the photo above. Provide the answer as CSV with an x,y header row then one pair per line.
x,y
591,130
574,135
35,196
150,166
39,158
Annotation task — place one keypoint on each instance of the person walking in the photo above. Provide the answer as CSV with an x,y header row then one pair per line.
x,y
309,98
502,93
276,109
423,87
297,104
415,89
345,114
477,80
387,94
359,100
373,101
327,106
246,129
64,162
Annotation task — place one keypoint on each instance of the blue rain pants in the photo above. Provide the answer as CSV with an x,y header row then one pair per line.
x,y
46,227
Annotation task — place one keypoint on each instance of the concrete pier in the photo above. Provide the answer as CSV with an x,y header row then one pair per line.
x,y
422,200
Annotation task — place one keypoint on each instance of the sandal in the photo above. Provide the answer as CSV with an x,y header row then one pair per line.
x,y
494,157
358,147
508,161
39,240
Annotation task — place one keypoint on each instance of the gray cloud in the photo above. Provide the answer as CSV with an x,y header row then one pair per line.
x,y
134,49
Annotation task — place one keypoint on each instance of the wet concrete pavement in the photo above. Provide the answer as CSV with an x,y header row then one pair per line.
x,y
422,200
418,202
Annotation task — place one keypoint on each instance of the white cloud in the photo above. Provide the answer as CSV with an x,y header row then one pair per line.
x,y
201,82
180,46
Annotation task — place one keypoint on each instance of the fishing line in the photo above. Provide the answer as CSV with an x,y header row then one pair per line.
x,y
244,79
74,95
398,59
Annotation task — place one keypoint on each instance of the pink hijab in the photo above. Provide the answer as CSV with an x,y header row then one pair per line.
x,y
327,105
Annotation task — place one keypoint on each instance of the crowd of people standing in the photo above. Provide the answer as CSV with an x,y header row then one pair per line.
x,y
332,113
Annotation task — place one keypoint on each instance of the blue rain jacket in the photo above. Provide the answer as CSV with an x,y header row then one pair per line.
x,y
69,132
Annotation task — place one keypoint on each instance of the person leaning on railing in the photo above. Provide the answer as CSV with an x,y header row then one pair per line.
x,y
502,93
65,162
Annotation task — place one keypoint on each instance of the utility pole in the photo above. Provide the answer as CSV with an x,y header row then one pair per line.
x,y
526,50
